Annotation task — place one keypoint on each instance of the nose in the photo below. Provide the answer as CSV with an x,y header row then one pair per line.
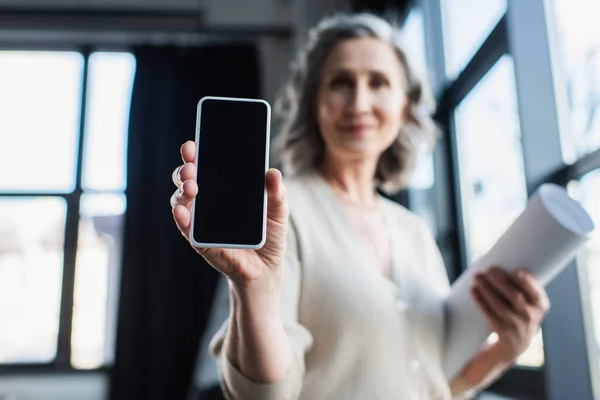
x,y
361,98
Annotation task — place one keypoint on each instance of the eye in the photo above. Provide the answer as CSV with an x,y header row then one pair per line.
x,y
378,82
340,81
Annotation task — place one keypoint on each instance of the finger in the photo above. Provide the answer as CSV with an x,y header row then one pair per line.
x,y
187,172
488,312
188,151
183,173
497,303
182,217
533,289
505,286
185,194
277,205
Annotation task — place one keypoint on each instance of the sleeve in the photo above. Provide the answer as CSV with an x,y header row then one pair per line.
x,y
236,386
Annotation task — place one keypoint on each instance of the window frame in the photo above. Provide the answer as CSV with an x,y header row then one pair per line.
x,y
451,237
62,360
522,32
543,110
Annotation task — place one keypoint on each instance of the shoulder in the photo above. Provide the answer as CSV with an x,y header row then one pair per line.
x,y
304,193
299,184
300,197
309,209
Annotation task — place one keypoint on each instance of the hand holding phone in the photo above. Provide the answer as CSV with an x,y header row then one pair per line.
x,y
240,263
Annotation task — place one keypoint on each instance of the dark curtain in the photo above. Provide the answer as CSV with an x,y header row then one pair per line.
x,y
166,288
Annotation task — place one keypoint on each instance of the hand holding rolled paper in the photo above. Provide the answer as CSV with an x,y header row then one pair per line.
x,y
542,241
514,305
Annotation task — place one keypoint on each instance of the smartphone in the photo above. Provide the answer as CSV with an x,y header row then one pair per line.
x,y
232,159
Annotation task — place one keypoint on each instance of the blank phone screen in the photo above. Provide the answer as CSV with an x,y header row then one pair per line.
x,y
231,160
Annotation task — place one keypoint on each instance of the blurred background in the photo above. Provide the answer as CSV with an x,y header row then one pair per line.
x,y
100,298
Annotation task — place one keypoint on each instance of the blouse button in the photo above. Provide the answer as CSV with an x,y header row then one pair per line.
x,y
414,365
401,305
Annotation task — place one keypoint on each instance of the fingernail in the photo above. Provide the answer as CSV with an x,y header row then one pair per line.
x,y
180,190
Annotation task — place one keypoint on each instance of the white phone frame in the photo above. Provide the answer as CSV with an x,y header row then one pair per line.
x,y
264,219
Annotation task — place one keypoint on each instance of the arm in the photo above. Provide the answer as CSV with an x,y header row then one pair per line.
x,y
263,357
481,371
260,351
256,343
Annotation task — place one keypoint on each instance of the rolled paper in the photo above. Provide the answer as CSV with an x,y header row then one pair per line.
x,y
542,240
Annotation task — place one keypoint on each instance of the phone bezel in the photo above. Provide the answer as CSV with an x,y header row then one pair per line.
x,y
264,215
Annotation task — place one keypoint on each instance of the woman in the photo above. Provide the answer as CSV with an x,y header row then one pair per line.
x,y
345,300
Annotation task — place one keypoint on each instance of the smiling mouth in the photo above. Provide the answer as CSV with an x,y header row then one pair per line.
x,y
356,129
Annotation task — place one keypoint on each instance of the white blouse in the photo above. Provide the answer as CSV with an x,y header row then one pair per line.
x,y
354,333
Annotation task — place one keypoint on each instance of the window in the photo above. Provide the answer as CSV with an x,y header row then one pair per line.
x,y
39,110
493,188
51,208
579,49
102,207
472,40
31,264
587,191
466,25
414,40
491,171
96,279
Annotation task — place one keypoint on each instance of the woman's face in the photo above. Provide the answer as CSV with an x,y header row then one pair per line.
x,y
361,100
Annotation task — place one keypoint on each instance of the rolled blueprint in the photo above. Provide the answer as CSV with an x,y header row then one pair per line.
x,y
542,240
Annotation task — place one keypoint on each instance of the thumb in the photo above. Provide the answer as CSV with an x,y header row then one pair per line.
x,y
277,209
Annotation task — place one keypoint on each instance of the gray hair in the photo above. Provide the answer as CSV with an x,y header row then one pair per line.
x,y
300,146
